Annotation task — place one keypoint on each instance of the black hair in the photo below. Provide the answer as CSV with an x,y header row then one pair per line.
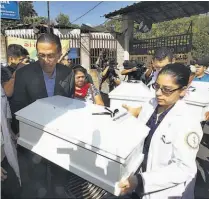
x,y
193,61
180,72
162,53
15,50
79,68
50,38
24,52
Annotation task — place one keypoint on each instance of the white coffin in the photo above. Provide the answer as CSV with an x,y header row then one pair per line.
x,y
198,100
136,94
94,147
132,94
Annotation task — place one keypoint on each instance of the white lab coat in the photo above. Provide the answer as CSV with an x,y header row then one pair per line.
x,y
8,145
171,166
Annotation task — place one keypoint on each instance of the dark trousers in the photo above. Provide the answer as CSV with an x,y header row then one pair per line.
x,y
10,188
202,180
105,99
40,179
33,175
128,196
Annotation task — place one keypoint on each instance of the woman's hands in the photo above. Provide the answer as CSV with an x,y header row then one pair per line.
x,y
207,116
128,185
133,111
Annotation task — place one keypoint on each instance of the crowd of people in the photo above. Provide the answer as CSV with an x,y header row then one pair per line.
x,y
169,168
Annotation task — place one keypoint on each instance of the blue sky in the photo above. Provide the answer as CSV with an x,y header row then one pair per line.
x,y
75,9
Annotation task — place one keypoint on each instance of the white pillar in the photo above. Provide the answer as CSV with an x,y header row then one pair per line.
x,y
3,49
85,51
127,28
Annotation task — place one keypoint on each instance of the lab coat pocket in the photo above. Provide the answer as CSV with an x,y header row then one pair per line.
x,y
166,139
165,149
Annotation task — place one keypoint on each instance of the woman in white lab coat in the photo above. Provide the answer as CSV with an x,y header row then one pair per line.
x,y
169,168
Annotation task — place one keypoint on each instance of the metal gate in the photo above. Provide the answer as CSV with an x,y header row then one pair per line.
x,y
105,43
178,44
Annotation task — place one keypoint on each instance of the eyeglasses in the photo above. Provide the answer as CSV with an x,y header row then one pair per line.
x,y
164,90
50,57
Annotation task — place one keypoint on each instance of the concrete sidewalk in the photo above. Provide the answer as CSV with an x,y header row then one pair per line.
x,y
202,181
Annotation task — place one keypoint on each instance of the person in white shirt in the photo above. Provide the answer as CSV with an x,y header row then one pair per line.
x,y
10,174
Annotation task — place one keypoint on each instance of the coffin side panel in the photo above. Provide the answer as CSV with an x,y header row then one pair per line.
x,y
89,165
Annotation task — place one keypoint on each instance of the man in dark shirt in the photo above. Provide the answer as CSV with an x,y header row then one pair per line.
x,y
38,80
16,54
42,78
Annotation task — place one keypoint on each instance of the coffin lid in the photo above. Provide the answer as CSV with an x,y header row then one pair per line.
x,y
200,96
132,91
72,120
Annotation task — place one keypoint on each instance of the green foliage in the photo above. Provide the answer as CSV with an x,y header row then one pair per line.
x,y
34,20
29,16
114,23
63,20
200,31
26,10
75,26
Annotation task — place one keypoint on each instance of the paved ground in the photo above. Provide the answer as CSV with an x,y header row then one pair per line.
x,y
202,182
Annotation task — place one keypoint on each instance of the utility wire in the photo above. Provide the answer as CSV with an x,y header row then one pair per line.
x,y
87,12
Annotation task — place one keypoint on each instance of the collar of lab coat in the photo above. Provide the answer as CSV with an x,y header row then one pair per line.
x,y
148,110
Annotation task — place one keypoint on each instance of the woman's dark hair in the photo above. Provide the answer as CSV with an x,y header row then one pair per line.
x,y
180,72
79,68
50,38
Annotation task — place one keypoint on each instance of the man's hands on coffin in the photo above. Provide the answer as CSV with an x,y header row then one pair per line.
x,y
133,111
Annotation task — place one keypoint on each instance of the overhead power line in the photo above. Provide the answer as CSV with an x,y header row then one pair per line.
x,y
87,12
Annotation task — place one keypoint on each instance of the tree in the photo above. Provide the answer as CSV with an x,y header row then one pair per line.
x,y
34,20
116,24
200,30
200,38
26,9
63,20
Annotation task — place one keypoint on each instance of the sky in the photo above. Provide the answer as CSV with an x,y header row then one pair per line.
x,y
75,9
